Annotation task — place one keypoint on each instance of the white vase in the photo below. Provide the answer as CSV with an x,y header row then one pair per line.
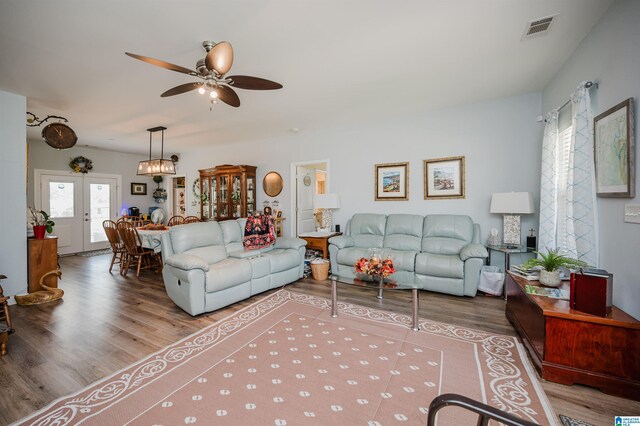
x,y
550,278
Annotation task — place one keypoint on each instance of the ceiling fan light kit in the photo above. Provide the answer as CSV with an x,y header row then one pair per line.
x,y
159,166
212,69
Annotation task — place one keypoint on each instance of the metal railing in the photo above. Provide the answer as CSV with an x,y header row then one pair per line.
x,y
485,412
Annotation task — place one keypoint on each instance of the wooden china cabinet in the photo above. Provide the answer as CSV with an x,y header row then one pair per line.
x,y
228,192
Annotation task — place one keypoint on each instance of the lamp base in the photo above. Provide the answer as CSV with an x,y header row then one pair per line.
x,y
326,219
511,229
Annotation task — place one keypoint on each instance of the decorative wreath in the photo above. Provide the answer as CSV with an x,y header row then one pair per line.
x,y
204,198
81,165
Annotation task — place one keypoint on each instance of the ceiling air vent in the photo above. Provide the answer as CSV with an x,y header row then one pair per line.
x,y
538,27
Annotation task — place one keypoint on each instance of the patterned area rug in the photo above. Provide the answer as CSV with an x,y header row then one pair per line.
x,y
568,421
285,361
95,253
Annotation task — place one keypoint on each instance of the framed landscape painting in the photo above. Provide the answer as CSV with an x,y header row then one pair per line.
x,y
614,152
444,178
392,183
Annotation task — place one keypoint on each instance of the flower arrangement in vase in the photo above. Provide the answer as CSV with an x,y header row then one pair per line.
x,y
375,265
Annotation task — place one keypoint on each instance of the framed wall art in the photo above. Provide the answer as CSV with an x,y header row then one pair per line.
x,y
392,182
138,188
444,178
614,152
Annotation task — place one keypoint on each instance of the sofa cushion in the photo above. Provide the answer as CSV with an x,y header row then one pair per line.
x,y
367,229
195,235
440,245
227,273
449,226
348,256
283,259
403,232
439,265
403,260
210,254
231,231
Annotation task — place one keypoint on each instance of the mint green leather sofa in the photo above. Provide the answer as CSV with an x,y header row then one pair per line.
x,y
206,267
442,251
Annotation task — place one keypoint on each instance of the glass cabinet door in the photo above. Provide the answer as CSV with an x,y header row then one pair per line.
x,y
214,198
251,195
204,197
236,197
224,196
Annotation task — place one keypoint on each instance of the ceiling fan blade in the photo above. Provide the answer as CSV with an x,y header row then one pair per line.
x,y
187,87
253,83
220,58
162,64
228,96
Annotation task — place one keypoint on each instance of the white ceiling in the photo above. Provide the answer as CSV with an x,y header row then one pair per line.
x,y
340,61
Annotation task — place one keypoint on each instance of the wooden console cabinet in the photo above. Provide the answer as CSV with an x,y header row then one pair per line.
x,y
569,346
43,258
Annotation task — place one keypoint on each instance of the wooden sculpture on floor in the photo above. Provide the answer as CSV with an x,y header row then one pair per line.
x,y
47,295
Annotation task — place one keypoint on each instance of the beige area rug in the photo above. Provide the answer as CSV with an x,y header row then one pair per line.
x,y
285,361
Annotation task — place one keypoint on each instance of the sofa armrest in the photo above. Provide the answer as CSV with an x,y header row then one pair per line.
x,y
187,262
290,243
342,241
473,250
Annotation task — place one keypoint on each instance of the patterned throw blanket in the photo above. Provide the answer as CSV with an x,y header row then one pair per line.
x,y
259,232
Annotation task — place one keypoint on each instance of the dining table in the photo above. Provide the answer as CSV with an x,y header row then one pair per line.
x,y
152,238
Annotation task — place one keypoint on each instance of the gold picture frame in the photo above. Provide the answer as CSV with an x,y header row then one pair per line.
x,y
444,178
392,182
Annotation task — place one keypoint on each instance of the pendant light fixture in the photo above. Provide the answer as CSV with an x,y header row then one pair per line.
x,y
159,166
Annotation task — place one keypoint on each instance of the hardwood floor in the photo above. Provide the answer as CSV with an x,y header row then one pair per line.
x,y
106,322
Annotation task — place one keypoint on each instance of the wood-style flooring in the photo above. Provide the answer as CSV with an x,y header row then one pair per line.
x,y
106,322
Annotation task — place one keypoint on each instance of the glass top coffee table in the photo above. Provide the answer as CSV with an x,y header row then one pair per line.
x,y
399,281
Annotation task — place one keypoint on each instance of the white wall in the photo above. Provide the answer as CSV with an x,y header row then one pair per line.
x,y
610,55
13,217
42,156
500,140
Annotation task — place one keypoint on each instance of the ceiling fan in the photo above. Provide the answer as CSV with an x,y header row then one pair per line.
x,y
213,69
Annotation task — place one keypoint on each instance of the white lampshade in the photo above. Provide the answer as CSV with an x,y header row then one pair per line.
x,y
512,203
326,201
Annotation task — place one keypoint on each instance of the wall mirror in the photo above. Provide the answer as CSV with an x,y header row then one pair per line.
x,y
272,184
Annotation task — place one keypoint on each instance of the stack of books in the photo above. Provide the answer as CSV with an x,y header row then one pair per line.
x,y
528,274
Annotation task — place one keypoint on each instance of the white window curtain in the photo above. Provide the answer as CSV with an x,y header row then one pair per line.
x,y
569,171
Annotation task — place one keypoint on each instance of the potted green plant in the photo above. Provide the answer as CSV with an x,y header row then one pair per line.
x,y
549,264
41,223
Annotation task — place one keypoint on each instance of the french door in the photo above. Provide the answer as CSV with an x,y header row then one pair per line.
x,y
78,204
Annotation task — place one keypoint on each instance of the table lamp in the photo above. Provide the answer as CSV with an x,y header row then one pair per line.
x,y
511,205
326,203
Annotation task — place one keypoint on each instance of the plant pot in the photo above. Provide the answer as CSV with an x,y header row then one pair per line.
x,y
39,231
550,278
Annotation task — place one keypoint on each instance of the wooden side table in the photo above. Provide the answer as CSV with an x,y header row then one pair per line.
x,y
319,242
569,346
43,258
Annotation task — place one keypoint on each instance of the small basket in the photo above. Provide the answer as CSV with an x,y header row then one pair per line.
x,y
320,270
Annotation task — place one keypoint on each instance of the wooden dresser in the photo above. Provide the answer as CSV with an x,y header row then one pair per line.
x,y
43,258
569,346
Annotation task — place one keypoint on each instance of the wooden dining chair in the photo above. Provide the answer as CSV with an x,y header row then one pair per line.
x,y
5,316
117,246
136,255
191,219
175,220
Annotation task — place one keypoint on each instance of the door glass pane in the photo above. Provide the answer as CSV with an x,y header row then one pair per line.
x,y
100,206
251,197
204,199
61,201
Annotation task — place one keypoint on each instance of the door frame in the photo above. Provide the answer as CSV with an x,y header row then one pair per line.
x,y
294,193
170,197
37,189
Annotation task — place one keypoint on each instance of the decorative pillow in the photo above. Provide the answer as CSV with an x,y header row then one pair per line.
x,y
259,232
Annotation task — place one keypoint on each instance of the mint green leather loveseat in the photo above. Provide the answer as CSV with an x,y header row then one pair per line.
x,y
442,251
206,267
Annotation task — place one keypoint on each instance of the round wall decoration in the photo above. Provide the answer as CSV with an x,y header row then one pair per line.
x,y
196,192
59,136
306,180
272,184
81,165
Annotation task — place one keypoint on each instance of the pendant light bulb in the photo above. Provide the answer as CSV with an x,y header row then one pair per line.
x,y
201,90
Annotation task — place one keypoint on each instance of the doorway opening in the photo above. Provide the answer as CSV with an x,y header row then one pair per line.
x,y
311,178
78,204
177,196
